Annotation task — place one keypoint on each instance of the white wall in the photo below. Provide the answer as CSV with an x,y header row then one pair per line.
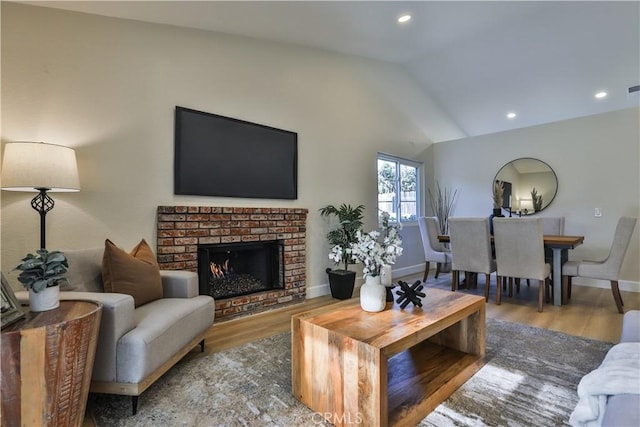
x,y
597,162
108,88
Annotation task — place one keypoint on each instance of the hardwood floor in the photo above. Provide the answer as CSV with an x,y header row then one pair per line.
x,y
591,313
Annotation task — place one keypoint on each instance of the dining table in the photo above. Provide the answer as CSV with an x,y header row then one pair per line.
x,y
559,246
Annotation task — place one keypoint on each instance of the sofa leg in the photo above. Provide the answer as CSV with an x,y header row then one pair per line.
x,y
202,346
134,404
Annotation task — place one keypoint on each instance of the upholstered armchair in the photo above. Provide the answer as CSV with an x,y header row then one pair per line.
x,y
434,251
606,269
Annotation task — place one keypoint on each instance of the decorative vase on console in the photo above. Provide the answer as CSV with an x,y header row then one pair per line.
x,y
498,191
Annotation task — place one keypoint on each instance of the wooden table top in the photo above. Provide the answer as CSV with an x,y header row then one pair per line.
x,y
68,310
549,240
395,329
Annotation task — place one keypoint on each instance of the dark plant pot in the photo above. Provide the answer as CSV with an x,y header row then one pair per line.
x,y
341,283
497,212
390,296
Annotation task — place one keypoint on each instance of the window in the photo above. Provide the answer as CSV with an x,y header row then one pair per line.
x,y
399,187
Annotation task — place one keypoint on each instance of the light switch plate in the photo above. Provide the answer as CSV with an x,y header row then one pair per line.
x,y
598,213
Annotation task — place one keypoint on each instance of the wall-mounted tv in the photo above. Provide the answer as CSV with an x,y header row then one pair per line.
x,y
223,156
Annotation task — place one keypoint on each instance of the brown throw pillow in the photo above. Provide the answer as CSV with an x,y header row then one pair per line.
x,y
136,274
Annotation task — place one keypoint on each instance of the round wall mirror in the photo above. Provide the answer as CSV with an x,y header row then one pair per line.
x,y
529,186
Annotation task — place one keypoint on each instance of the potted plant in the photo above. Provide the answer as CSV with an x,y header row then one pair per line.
x,y
498,191
342,281
375,250
443,204
41,274
537,200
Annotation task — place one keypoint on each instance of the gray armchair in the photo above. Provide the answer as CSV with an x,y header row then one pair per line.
x,y
607,269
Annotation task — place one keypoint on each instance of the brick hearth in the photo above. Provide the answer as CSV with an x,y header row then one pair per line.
x,y
182,228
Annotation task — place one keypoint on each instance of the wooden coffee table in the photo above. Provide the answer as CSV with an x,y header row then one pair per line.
x,y
387,368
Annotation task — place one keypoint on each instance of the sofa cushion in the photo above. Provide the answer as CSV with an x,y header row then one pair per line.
x,y
622,410
136,274
85,270
631,326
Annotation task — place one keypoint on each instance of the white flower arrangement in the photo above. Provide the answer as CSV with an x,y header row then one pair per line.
x,y
374,253
336,253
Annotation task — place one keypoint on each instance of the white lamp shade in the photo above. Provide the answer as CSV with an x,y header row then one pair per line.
x,y
30,166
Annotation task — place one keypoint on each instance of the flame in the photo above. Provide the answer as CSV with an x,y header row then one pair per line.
x,y
219,271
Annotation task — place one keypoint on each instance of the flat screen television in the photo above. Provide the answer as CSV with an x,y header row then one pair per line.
x,y
223,156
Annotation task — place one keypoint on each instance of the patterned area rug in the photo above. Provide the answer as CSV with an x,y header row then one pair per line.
x,y
530,379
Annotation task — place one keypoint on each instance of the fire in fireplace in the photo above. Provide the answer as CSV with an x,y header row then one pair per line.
x,y
230,270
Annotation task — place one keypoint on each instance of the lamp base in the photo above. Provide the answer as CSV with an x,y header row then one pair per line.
x,y
43,204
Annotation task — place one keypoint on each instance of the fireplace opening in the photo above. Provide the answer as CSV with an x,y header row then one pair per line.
x,y
234,269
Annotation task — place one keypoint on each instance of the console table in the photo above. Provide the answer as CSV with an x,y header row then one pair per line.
x,y
47,359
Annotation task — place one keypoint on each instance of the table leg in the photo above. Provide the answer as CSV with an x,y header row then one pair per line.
x,y
557,276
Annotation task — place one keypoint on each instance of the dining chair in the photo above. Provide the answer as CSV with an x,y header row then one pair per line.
x,y
519,248
553,225
471,250
607,269
434,251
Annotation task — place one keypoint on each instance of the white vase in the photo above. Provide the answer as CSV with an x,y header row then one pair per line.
x,y
46,299
385,273
372,294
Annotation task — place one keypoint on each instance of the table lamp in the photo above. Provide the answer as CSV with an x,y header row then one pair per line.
x,y
40,167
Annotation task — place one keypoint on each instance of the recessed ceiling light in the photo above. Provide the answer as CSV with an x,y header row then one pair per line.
x,y
404,18
511,115
601,94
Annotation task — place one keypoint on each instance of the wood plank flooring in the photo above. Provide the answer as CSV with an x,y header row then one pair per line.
x,y
591,313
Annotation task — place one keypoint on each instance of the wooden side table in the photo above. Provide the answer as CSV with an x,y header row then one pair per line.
x,y
47,360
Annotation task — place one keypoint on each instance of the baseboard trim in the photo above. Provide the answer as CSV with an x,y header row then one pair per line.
x,y
624,285
323,288
318,291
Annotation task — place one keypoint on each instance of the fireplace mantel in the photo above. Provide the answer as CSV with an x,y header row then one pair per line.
x,y
182,228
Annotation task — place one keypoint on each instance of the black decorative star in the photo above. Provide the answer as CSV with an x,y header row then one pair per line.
x,y
410,294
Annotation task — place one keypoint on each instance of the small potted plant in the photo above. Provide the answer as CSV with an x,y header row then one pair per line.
x,y
41,274
342,281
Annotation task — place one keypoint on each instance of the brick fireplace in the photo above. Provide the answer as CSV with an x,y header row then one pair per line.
x,y
183,229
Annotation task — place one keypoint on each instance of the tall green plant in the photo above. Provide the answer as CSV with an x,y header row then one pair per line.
x,y
443,204
349,222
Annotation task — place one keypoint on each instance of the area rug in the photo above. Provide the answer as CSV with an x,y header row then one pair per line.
x,y
530,379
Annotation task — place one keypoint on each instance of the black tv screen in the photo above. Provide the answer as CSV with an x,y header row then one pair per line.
x,y
222,156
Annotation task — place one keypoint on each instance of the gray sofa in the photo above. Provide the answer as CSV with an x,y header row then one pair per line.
x,y
624,409
610,395
137,345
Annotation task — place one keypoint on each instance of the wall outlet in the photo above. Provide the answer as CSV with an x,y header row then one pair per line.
x,y
598,213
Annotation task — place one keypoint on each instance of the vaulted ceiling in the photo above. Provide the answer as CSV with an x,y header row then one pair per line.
x,y
543,61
